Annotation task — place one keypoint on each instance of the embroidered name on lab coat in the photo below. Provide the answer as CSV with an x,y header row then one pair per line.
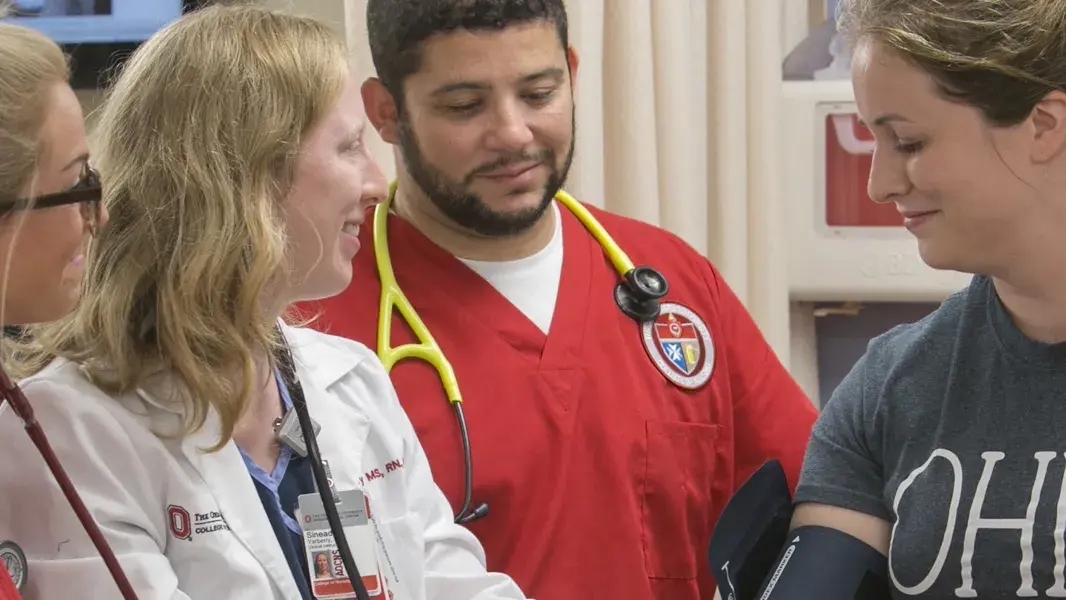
x,y
389,467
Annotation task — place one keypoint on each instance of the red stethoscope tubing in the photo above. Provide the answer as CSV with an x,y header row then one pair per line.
x,y
11,393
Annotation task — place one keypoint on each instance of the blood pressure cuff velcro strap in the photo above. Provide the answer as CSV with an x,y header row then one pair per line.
x,y
751,532
828,564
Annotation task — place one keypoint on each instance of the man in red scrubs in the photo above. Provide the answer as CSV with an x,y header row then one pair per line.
x,y
605,448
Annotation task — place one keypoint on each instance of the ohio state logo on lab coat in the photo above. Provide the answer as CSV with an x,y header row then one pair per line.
x,y
14,561
680,345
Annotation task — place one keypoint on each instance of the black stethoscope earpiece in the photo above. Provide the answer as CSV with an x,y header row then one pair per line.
x,y
639,292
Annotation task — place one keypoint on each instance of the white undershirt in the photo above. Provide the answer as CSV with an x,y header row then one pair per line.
x,y
531,284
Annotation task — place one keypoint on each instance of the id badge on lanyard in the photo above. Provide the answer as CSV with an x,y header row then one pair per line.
x,y
329,579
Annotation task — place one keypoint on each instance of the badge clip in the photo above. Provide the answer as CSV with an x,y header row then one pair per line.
x,y
287,430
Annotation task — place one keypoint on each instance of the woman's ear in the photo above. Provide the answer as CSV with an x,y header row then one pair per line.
x,y
1049,127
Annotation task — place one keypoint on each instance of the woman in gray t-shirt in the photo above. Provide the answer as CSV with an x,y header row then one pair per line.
x,y
941,448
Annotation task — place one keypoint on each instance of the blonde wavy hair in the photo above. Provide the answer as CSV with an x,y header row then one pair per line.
x,y
197,141
30,64
1000,56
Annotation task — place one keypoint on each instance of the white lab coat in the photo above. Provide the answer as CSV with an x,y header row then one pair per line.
x,y
130,478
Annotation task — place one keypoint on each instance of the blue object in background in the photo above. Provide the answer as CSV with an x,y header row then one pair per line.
x,y
832,7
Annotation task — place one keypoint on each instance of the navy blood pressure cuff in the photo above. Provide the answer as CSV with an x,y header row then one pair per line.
x,y
751,532
754,556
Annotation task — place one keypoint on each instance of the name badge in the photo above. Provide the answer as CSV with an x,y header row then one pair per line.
x,y
329,578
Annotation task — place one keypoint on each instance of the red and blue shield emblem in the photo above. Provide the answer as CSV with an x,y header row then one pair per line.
x,y
679,344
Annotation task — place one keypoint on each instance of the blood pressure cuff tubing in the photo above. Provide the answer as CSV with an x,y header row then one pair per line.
x,y
754,556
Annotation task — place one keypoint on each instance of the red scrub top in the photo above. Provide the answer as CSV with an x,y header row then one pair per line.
x,y
604,477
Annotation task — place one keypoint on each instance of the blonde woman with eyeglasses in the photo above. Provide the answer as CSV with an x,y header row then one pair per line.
x,y
49,195
49,206
237,176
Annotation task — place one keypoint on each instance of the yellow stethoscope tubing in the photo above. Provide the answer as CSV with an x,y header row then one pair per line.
x,y
393,297
428,349
614,252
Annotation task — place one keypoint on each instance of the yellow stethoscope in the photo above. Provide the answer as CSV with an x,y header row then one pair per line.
x,y
637,295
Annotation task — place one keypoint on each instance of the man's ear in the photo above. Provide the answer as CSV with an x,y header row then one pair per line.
x,y
1049,126
381,109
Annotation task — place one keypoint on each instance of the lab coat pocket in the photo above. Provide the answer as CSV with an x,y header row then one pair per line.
x,y
402,557
677,493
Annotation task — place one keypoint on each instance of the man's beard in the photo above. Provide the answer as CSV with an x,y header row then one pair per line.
x,y
464,207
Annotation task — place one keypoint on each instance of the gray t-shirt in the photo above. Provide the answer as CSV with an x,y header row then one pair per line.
x,y
946,429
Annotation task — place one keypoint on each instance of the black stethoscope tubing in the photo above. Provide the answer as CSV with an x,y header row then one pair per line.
x,y
322,482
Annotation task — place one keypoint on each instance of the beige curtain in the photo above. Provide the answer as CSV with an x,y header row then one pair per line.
x,y
678,103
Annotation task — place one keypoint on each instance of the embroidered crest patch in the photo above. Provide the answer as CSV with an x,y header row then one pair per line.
x,y
680,345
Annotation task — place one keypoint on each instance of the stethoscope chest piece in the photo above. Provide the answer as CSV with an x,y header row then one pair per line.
x,y
639,292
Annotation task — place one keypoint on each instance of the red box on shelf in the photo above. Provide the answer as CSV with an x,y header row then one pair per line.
x,y
849,151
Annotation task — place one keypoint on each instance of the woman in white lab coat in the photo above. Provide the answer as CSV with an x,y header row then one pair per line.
x,y
238,177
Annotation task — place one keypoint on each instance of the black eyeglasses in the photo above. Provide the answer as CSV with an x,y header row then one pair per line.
x,y
86,192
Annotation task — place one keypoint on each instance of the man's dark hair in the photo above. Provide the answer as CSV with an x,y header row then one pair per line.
x,y
398,28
